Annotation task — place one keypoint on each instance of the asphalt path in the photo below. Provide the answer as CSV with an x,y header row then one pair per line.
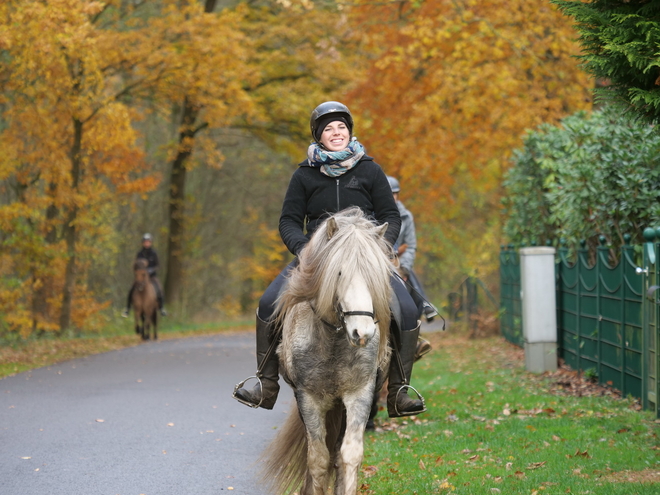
x,y
155,419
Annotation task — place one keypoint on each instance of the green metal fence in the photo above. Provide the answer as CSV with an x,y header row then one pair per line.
x,y
650,272
510,303
599,317
607,314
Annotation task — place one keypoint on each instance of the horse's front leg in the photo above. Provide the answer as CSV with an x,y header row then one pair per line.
x,y
358,407
313,413
136,315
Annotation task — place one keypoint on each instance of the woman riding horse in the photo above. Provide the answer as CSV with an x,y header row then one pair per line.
x,y
337,174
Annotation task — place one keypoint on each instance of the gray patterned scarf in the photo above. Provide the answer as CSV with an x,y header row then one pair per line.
x,y
335,163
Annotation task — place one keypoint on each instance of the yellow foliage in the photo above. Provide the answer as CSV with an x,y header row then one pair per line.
x,y
451,90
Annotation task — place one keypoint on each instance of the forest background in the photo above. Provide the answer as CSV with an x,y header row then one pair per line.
x,y
186,119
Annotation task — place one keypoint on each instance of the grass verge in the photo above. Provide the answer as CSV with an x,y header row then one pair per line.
x,y
492,428
36,353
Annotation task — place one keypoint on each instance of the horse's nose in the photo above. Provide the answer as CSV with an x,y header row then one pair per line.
x,y
360,340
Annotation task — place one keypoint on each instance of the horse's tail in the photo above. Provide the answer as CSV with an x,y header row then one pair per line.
x,y
285,460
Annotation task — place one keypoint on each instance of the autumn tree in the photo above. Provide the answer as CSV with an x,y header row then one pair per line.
x,y
80,79
207,88
448,94
69,145
246,69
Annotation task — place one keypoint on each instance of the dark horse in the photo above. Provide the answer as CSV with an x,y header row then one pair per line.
x,y
145,302
335,318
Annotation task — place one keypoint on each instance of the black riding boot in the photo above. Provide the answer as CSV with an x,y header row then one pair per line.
x,y
403,356
264,393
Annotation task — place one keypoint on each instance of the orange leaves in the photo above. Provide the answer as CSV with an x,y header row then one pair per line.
x,y
451,90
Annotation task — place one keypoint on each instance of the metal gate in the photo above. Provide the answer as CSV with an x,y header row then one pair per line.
x,y
599,317
607,315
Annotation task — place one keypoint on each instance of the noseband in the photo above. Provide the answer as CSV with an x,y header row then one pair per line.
x,y
341,317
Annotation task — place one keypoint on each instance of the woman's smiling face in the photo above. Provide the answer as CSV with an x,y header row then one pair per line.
x,y
335,136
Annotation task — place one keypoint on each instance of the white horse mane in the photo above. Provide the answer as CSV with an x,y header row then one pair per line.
x,y
356,247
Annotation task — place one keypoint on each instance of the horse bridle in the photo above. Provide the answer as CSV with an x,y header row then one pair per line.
x,y
341,317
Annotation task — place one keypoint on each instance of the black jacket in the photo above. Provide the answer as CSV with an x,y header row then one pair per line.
x,y
150,255
312,196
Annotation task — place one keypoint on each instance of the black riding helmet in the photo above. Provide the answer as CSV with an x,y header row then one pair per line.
x,y
328,112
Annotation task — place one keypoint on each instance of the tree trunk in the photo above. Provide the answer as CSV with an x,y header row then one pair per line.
x,y
174,277
69,229
43,285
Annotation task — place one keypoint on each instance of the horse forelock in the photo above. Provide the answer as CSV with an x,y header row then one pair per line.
x,y
327,264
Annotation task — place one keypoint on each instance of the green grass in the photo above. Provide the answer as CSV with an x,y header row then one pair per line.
x,y
493,428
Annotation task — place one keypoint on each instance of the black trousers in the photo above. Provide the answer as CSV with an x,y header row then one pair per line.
x,y
416,291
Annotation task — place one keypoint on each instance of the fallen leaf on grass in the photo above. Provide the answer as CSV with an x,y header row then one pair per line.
x,y
369,471
422,465
536,465
446,486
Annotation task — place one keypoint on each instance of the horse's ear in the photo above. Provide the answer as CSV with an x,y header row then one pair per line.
x,y
381,229
332,227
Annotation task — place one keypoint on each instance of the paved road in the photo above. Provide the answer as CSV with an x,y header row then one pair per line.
x,y
156,419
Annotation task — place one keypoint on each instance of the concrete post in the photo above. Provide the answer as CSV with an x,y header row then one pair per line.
x,y
539,308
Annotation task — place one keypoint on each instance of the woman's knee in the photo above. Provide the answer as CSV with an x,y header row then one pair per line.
x,y
408,308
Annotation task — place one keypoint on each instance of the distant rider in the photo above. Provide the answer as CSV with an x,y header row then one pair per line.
x,y
148,253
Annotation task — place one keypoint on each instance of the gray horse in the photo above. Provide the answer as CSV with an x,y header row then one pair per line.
x,y
335,318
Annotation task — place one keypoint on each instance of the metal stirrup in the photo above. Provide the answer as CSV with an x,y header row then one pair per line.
x,y
240,385
396,400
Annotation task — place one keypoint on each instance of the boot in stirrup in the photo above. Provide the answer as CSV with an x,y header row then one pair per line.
x,y
423,347
399,403
264,393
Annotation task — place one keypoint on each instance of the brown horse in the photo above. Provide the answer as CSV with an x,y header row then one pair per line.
x,y
145,302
